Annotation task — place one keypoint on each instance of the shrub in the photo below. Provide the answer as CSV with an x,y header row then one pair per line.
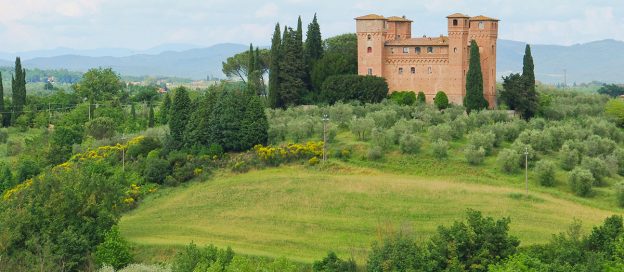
x,y
100,128
508,160
313,161
141,146
615,110
156,169
407,98
545,172
14,147
366,89
474,155
595,146
361,127
484,140
441,100
383,138
598,169
26,168
398,253
384,118
192,258
341,114
410,144
441,132
421,98
375,153
114,251
568,157
440,149
618,157
341,153
331,263
581,181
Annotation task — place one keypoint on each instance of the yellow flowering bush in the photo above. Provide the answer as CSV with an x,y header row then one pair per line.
x,y
275,155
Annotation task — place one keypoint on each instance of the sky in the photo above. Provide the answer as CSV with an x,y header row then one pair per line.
x,y
134,24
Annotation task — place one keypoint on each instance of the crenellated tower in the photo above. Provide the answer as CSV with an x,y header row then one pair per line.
x,y
371,35
458,28
484,31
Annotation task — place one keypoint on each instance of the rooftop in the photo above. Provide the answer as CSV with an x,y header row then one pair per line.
x,y
398,19
458,15
371,17
482,18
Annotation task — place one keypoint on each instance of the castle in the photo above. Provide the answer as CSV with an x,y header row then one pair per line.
x,y
428,64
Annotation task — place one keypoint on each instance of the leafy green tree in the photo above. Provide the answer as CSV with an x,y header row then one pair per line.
x,y
399,253
329,65
150,116
100,128
274,70
18,84
165,109
345,45
612,90
3,115
441,100
6,178
474,244
474,100
63,139
114,250
545,171
180,114
513,89
366,89
156,169
99,84
581,181
421,98
237,66
291,69
520,263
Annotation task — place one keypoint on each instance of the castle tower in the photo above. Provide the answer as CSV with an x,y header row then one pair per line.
x,y
484,31
398,28
458,28
371,36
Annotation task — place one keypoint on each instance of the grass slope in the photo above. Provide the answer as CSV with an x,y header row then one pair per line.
x,y
301,213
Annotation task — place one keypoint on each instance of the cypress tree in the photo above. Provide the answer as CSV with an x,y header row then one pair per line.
x,y
226,120
165,109
18,84
133,112
292,70
251,70
474,99
180,113
274,98
528,77
198,127
150,116
299,33
313,49
255,124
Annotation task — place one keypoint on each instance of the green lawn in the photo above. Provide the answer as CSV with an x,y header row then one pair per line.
x,y
301,212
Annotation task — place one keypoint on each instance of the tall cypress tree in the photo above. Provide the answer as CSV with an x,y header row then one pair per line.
x,y
474,99
150,116
530,107
251,70
292,70
274,98
18,84
313,49
255,124
180,113
299,33
165,109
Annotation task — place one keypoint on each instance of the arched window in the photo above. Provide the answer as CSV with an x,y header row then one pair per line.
x,y
369,37
400,70
429,70
413,70
455,50
369,50
455,22
391,50
430,49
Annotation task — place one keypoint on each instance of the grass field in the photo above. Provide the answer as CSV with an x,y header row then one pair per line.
x,y
302,212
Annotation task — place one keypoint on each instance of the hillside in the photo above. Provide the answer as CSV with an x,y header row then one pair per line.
x,y
593,61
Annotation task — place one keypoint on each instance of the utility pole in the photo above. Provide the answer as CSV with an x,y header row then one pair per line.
x,y
526,169
325,119
123,153
565,79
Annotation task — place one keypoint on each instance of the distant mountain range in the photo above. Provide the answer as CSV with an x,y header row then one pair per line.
x,y
595,61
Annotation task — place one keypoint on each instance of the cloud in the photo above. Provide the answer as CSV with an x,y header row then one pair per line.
x,y
268,10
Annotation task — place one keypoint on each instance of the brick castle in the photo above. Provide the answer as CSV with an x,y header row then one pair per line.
x,y
428,64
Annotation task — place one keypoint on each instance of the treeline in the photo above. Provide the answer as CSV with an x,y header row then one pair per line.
x,y
37,75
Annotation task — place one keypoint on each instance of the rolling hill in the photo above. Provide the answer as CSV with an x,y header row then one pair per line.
x,y
594,61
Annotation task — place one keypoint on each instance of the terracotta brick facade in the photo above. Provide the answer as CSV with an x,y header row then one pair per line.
x,y
428,64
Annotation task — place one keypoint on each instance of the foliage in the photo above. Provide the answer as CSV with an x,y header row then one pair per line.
x,y
18,90
210,258
612,90
406,98
569,157
63,138
421,98
291,152
545,172
581,181
474,155
99,84
155,170
141,146
274,68
114,250
398,253
366,89
100,128
474,100
375,153
615,109
165,109
292,69
410,144
441,100
483,140
508,160
362,127
520,263
331,263
440,149
598,169
180,114
619,194
237,66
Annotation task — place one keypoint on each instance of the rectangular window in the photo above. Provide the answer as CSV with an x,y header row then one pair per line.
x,y
429,69
430,49
370,71
391,50
405,50
413,70
400,71
417,50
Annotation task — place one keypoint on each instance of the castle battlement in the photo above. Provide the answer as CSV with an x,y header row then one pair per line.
x,y
428,64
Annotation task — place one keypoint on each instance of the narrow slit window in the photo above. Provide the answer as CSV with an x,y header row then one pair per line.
x,y
369,50
417,49
429,70
413,70
370,71
400,71
455,22
369,37
430,49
